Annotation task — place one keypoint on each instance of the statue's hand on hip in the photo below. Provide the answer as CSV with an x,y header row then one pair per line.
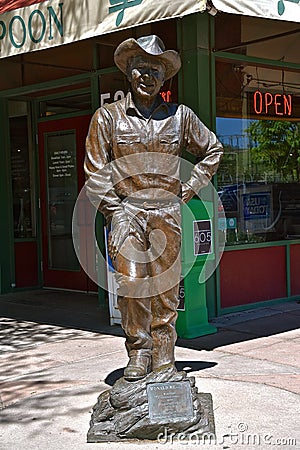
x,y
122,226
119,232
187,193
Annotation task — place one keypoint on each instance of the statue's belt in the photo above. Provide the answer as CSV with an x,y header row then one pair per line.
x,y
151,203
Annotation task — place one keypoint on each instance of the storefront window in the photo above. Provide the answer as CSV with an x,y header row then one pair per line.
x,y
66,103
21,169
261,38
258,122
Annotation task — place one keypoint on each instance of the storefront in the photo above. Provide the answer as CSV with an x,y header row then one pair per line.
x,y
257,87
245,84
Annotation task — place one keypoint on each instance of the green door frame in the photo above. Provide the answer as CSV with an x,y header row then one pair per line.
x,y
7,278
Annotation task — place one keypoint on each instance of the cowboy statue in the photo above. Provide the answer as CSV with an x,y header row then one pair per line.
x,y
130,152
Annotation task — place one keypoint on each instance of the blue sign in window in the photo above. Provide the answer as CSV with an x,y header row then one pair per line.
x,y
256,205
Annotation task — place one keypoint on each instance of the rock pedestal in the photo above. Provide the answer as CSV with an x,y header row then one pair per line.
x,y
164,402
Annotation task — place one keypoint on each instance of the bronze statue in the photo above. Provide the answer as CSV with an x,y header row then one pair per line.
x,y
147,197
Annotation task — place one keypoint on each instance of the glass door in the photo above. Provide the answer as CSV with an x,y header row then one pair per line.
x,y
61,148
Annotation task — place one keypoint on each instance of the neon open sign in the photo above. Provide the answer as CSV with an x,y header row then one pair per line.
x,y
272,104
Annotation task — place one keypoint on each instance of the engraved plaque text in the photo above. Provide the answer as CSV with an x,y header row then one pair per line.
x,y
170,401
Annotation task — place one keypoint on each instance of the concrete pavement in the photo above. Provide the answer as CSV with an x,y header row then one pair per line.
x,y
58,353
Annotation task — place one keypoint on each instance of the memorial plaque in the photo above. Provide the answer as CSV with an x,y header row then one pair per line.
x,y
170,401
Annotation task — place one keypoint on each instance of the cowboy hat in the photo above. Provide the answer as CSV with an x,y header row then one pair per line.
x,y
147,46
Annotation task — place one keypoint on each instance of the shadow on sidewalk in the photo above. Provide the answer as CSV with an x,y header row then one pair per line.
x,y
32,317
39,410
187,366
22,311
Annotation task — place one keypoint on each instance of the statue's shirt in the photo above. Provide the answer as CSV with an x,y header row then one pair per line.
x,y
151,147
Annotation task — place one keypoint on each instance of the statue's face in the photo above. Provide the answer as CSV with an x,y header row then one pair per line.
x,y
146,76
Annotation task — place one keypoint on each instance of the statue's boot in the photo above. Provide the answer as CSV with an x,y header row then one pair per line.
x,y
163,363
138,367
163,345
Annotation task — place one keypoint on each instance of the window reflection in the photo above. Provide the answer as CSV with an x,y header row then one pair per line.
x,y
21,170
261,38
259,176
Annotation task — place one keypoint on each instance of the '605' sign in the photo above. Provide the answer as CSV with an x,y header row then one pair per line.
x,y
202,237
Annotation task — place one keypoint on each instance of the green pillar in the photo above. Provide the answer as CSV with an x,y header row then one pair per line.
x,y
197,250
195,75
6,222
196,89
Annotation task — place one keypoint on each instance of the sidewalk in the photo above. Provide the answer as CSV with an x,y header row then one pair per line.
x,y
58,353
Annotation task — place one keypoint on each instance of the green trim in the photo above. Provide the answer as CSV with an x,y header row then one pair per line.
x,y
25,240
194,42
64,116
204,70
96,59
53,84
218,291
213,81
71,93
34,88
26,289
54,269
107,70
261,245
34,111
95,92
263,304
257,61
213,106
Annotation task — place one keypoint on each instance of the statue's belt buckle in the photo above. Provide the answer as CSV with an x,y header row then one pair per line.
x,y
150,205
160,204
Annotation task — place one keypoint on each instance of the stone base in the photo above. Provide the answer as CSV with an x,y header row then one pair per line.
x,y
122,412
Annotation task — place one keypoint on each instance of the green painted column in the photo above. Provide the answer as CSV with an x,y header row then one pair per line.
x,y
195,76
197,251
6,221
196,89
